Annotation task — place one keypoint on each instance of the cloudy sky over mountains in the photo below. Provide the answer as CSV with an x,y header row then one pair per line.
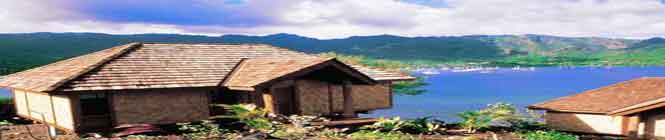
x,y
339,18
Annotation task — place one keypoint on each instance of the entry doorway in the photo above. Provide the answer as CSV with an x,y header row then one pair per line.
x,y
95,111
285,100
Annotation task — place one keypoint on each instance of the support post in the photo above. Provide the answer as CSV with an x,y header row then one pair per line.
x,y
349,112
52,132
631,126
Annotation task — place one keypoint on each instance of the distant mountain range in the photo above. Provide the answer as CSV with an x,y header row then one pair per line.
x,y
20,51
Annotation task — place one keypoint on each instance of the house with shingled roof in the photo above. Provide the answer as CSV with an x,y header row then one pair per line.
x,y
152,83
634,108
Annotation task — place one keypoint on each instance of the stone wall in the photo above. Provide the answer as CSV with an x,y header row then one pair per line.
x,y
160,106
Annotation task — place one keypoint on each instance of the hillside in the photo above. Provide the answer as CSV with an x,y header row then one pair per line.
x,y
21,51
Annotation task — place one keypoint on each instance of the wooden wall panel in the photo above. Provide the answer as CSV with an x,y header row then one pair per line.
x,y
338,97
269,104
162,106
370,97
63,112
587,123
313,96
21,103
40,108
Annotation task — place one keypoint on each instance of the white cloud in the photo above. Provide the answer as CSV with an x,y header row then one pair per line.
x,y
342,18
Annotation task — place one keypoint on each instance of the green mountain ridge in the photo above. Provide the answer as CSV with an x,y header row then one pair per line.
x,y
26,50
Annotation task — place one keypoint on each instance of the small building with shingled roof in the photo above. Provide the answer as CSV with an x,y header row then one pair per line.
x,y
634,108
153,83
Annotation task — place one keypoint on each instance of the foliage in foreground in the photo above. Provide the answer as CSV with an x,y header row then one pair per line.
x,y
299,127
5,123
502,114
416,126
370,135
254,117
203,129
547,135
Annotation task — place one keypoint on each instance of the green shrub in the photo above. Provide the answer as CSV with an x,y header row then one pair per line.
x,y
203,129
386,125
474,120
416,126
4,100
493,114
331,133
422,125
525,126
547,135
261,124
5,123
503,112
245,111
369,135
254,117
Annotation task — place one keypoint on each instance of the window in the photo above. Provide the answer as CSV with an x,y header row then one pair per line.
x,y
94,104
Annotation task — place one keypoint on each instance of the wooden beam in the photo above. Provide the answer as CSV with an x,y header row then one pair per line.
x,y
348,100
269,102
54,117
630,126
331,103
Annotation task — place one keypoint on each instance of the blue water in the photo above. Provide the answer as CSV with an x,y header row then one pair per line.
x,y
450,92
4,93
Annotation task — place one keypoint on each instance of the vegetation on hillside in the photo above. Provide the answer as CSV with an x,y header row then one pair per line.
x,y
23,51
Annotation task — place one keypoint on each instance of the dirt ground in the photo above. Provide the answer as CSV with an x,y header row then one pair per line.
x,y
40,132
28,132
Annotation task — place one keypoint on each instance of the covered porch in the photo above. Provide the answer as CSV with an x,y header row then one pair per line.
x,y
324,87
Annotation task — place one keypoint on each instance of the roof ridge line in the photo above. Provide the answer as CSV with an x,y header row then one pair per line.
x,y
233,72
98,64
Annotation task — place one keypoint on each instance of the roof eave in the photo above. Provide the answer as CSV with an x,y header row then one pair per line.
x,y
645,106
241,88
566,111
406,78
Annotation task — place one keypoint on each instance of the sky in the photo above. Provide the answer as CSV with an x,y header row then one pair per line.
x,y
339,18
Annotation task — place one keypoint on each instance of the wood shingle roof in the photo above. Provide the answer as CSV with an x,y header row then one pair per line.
x,y
613,99
146,66
252,72
49,77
